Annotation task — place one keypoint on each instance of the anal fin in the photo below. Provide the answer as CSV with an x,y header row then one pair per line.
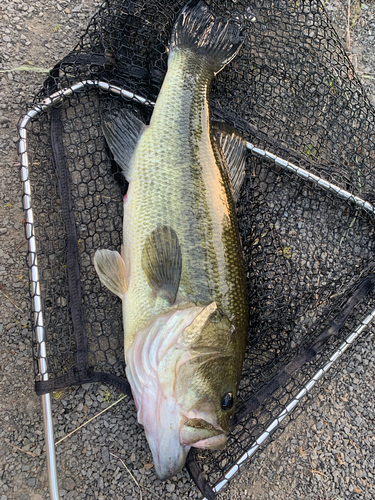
x,y
111,271
162,262
233,147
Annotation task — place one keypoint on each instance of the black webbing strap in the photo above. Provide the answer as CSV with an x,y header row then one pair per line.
x,y
72,262
84,377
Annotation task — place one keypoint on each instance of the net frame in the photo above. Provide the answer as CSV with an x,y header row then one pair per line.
x,y
36,293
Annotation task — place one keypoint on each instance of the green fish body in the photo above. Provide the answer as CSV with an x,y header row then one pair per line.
x,y
181,275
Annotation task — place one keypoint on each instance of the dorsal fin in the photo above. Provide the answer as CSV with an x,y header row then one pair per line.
x,y
122,131
162,262
233,147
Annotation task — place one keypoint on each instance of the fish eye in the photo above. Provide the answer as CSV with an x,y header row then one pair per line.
x,y
227,401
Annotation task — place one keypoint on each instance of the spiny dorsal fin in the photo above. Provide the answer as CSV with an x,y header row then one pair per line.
x,y
162,262
122,131
234,150
111,271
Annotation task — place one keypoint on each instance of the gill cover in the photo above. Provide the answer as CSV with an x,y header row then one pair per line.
x,y
154,360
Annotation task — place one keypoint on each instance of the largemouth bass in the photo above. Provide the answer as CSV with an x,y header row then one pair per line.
x,y
181,275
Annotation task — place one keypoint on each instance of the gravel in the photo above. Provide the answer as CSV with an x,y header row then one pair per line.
x,y
326,453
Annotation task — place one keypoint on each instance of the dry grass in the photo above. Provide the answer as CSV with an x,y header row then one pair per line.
x,y
91,419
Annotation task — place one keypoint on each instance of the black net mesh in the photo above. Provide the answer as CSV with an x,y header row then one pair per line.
x,y
291,91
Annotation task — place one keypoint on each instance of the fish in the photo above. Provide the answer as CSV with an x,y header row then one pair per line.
x,y
181,274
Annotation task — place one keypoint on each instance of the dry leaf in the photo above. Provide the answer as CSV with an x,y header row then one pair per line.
x,y
148,466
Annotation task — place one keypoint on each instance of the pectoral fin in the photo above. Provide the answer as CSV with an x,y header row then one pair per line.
x,y
162,262
234,150
122,131
111,271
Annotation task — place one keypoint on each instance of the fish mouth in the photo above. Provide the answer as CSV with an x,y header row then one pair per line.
x,y
201,434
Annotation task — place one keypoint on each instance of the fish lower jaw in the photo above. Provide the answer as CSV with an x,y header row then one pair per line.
x,y
201,434
213,443
167,466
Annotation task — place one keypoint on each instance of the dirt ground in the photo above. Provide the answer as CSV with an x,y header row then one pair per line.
x,y
326,454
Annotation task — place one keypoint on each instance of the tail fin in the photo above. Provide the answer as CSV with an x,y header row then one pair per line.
x,y
215,39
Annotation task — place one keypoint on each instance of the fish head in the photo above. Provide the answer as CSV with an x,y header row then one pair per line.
x,y
184,383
